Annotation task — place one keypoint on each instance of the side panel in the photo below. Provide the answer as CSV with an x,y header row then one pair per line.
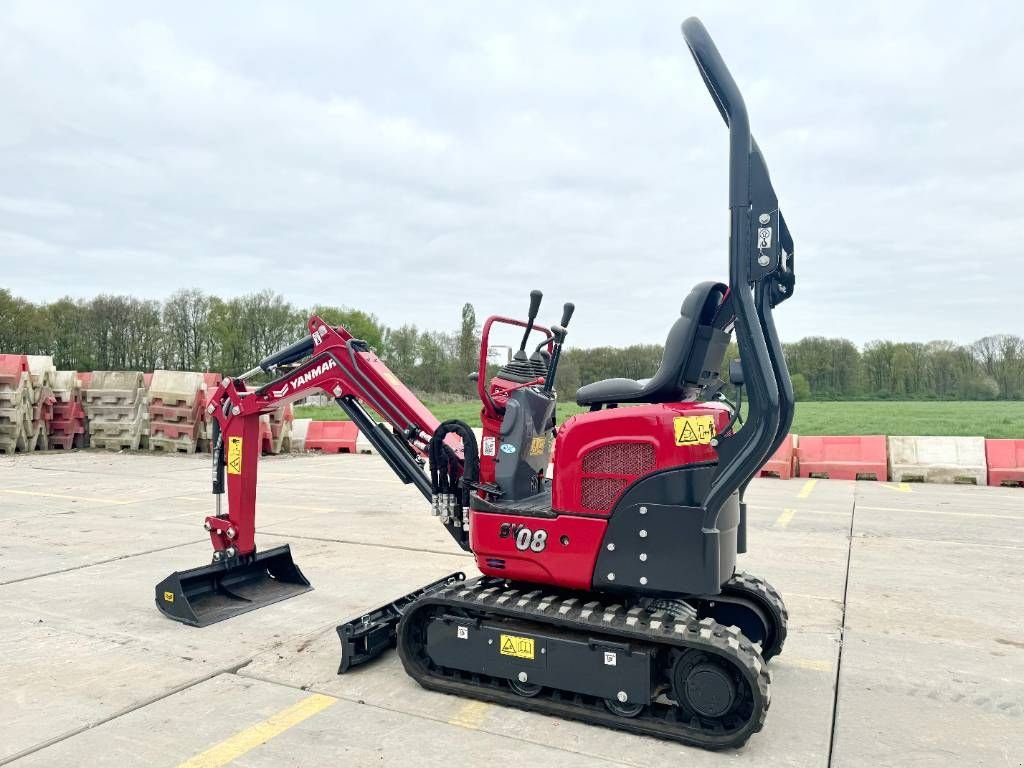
x,y
557,550
600,454
656,542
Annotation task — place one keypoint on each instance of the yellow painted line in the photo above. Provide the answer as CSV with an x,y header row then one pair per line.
x,y
471,714
808,487
783,520
252,737
815,665
72,498
900,487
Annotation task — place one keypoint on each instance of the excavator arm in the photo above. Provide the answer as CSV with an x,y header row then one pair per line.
x,y
328,360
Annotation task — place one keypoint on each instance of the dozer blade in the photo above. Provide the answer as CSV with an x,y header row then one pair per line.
x,y
368,636
212,593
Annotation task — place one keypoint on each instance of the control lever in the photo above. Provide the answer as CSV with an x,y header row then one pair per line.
x,y
535,297
558,333
567,309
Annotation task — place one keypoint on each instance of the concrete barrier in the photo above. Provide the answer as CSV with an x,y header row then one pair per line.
x,y
843,457
174,408
298,437
1005,460
937,459
67,428
332,437
115,407
781,463
19,430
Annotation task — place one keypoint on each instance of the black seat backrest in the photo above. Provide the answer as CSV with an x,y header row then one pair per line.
x,y
693,355
692,345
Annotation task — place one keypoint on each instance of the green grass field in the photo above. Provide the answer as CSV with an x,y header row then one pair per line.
x,y
988,419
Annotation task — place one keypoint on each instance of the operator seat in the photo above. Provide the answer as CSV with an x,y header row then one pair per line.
x,y
693,355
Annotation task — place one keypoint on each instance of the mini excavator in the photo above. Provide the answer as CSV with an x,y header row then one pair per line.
x,y
609,591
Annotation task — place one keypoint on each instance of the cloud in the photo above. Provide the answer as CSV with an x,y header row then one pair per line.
x,y
406,163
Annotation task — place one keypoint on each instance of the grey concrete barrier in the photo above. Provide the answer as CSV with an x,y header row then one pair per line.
x,y
937,459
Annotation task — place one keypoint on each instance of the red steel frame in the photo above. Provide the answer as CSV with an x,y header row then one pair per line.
x,y
339,367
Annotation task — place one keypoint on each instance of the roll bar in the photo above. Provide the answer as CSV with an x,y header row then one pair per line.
x,y
760,277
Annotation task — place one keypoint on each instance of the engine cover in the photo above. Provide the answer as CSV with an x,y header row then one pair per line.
x,y
599,454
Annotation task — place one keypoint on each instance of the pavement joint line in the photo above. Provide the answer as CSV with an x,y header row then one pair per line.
x,y
231,669
256,735
807,488
264,532
842,638
1019,518
98,562
942,542
783,520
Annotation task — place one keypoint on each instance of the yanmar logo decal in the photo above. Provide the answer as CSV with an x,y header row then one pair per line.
x,y
312,374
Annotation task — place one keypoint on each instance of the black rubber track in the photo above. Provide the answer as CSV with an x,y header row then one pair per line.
x,y
493,599
764,598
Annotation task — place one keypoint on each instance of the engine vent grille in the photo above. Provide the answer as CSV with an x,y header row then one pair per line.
x,y
618,465
626,459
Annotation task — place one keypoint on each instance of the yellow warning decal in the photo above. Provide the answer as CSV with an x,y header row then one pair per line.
x,y
168,597
537,446
694,430
520,647
234,456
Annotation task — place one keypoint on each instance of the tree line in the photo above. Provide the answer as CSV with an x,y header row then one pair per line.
x,y
192,330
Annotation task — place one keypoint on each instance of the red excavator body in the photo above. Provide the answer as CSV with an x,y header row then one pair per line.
x,y
609,590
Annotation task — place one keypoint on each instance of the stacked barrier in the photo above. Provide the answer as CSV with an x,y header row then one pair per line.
x,y
210,382
114,403
175,411
15,403
41,372
275,430
67,428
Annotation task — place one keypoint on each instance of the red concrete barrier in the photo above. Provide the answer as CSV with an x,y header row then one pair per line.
x,y
332,436
843,458
1005,459
780,465
11,368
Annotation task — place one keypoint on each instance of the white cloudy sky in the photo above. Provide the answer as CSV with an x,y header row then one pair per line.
x,y
404,161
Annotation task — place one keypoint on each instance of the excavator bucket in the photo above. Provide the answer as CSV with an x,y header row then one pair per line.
x,y
212,593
